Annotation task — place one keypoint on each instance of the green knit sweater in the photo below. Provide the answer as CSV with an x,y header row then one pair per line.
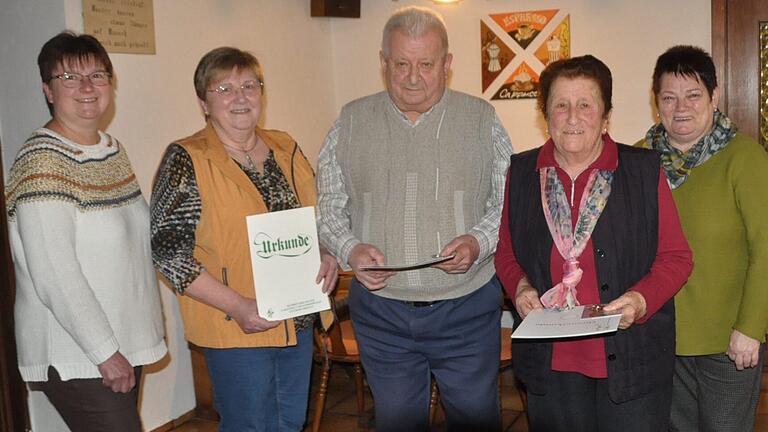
x,y
723,208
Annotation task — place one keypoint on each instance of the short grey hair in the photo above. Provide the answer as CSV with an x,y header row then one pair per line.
x,y
415,22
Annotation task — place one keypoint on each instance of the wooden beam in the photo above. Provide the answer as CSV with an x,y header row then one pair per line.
x,y
720,48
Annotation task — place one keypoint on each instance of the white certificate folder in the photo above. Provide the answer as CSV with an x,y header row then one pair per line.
x,y
579,321
285,257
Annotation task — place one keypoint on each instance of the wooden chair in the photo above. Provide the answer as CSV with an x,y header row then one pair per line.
x,y
338,345
204,405
506,363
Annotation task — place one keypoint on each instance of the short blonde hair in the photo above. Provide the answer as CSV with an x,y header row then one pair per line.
x,y
223,60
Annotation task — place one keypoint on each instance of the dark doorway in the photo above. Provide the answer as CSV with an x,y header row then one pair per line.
x,y
740,51
13,406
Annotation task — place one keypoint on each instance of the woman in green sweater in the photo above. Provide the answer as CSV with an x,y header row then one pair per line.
x,y
719,180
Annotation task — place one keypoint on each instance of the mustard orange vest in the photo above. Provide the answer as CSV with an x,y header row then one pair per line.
x,y
221,239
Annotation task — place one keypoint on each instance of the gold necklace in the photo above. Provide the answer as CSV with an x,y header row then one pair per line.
x,y
248,161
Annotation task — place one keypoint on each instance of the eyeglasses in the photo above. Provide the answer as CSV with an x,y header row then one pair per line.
x,y
249,88
73,79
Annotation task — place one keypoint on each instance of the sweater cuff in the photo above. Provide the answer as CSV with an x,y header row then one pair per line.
x,y
104,351
346,250
753,330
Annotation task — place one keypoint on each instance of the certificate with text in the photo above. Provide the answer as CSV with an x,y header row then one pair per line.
x,y
285,257
579,321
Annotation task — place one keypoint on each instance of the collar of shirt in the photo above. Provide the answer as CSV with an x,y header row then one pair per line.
x,y
423,115
608,159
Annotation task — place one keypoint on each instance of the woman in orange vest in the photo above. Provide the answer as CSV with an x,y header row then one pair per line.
x,y
205,187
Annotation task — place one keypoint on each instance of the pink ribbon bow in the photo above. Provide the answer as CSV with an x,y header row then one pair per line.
x,y
563,295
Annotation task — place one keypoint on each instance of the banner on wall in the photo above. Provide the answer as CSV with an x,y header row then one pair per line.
x,y
516,46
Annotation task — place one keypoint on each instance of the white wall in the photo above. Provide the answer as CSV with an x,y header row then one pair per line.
x,y
312,67
24,27
627,35
155,103
155,99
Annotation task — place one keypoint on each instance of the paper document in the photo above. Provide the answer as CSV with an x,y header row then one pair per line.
x,y
285,257
403,267
579,321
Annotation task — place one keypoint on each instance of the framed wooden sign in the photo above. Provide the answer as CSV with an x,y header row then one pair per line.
x,y
122,26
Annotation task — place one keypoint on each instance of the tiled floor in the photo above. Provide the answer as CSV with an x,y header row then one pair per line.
x,y
341,408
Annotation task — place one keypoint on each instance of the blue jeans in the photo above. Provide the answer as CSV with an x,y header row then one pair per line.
x,y
455,340
262,389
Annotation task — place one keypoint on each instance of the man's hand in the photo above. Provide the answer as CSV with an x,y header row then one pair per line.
x,y
117,373
246,315
366,254
526,298
632,306
743,350
466,248
329,271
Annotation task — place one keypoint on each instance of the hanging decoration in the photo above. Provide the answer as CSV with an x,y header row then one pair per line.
x,y
516,46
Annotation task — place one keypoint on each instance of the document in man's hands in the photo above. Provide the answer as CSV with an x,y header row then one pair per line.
x,y
285,257
435,259
582,320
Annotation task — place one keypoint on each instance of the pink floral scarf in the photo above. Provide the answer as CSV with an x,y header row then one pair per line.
x,y
571,242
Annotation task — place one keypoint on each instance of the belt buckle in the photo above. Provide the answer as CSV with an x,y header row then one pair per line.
x,y
421,304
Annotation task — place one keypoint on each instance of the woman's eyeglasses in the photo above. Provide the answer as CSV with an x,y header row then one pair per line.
x,y
74,79
249,88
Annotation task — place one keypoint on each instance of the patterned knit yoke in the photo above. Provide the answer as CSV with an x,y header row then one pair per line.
x,y
46,169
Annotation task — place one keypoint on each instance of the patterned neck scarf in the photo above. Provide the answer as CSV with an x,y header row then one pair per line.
x,y
678,165
569,242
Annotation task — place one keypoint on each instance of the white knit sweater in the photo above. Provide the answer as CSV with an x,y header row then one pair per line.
x,y
79,233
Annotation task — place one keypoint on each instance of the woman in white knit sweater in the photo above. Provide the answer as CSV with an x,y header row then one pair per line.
x,y
87,308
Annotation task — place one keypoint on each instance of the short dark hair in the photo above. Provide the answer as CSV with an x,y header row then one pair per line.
x,y
67,47
688,61
223,60
585,66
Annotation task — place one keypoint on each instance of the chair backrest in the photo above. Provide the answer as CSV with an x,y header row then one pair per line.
x,y
331,341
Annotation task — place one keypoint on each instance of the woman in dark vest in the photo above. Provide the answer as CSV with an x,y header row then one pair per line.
x,y
627,251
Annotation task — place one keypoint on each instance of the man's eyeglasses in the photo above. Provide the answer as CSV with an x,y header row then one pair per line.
x,y
249,88
73,79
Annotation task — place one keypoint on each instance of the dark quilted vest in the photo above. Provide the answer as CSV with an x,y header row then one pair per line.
x,y
625,239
